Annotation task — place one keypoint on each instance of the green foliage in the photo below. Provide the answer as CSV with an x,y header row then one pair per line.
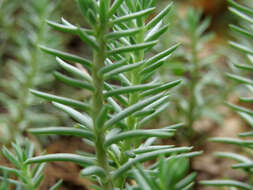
x,y
29,176
125,94
25,66
170,174
244,161
8,9
202,78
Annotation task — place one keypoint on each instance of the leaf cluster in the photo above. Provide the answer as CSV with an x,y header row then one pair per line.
x,y
29,176
202,78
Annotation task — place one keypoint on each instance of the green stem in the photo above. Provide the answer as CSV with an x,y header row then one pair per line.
x,y
194,82
98,102
134,97
27,178
23,98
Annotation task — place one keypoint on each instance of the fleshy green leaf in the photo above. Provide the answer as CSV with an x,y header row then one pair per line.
x,y
227,183
66,56
241,31
73,82
66,101
93,170
67,131
132,48
147,156
132,109
123,69
139,134
123,33
241,15
87,39
130,89
116,4
161,88
241,47
75,71
62,157
240,7
162,55
241,109
62,27
82,118
159,17
240,79
131,16
57,185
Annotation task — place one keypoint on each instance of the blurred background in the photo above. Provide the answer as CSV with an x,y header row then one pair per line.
x,y
23,66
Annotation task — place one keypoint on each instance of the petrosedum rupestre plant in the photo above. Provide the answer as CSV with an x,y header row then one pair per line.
x,y
202,79
25,69
125,93
245,159
170,174
29,177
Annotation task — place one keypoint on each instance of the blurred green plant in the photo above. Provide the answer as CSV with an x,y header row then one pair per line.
x,y
203,84
244,72
26,67
124,96
29,177
8,28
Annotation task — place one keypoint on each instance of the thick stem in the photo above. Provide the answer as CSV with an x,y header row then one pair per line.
x,y
98,101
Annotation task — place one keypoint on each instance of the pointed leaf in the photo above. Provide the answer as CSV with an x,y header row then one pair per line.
x,y
147,156
62,27
87,39
75,71
116,4
241,31
62,157
123,69
82,118
57,185
66,101
68,131
132,48
241,15
242,8
162,55
93,170
130,89
138,134
66,56
240,79
123,33
226,183
159,17
241,47
73,82
160,88
131,16
132,109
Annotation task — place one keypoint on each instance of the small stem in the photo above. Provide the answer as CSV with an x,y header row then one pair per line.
x,y
194,82
23,98
134,97
27,178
